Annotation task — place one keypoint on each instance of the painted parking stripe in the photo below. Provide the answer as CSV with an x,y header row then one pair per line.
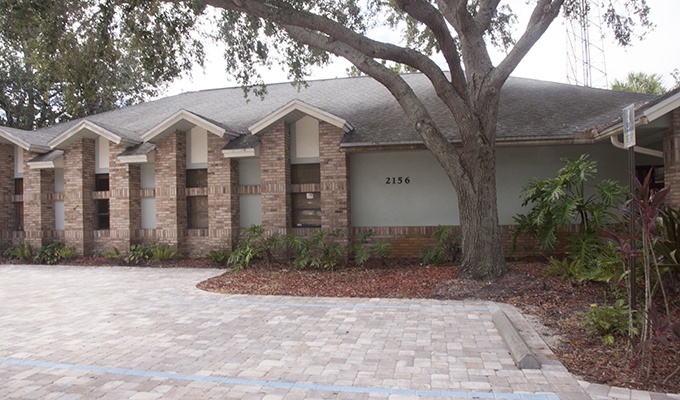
x,y
335,305
280,385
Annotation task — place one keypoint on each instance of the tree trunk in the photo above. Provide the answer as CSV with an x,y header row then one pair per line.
x,y
481,239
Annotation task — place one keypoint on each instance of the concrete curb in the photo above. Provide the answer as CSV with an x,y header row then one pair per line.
x,y
520,352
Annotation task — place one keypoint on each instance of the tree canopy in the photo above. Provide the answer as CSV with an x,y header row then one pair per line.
x,y
66,59
445,40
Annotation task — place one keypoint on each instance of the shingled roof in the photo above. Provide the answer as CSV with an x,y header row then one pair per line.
x,y
530,110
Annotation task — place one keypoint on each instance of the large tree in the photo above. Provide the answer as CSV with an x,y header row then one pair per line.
x,y
640,82
303,33
66,59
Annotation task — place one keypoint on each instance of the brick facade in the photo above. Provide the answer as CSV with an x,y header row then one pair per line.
x,y
671,150
6,195
38,199
275,178
335,210
78,201
125,204
223,196
171,203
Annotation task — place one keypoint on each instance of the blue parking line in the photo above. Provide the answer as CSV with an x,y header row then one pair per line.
x,y
280,385
334,305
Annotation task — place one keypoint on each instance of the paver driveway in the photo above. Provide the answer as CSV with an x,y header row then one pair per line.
x,y
147,333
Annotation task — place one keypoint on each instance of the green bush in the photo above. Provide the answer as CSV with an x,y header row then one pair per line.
x,y
252,245
68,253
22,251
219,257
114,254
139,253
366,248
447,248
50,253
163,252
610,321
321,250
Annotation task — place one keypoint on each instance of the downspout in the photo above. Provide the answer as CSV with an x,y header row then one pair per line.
x,y
642,150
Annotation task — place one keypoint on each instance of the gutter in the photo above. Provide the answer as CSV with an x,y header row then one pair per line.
x,y
642,150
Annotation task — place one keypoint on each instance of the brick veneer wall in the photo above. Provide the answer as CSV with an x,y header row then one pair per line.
x,y
275,178
408,241
6,195
78,201
671,150
335,202
223,196
125,205
38,199
171,203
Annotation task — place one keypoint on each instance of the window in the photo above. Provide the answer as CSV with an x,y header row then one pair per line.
x,y
197,212
101,211
197,178
657,181
307,209
101,182
18,216
305,173
18,186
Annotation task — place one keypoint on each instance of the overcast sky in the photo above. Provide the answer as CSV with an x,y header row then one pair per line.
x,y
659,52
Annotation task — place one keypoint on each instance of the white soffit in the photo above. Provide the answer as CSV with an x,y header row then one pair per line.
x,y
184,120
662,108
297,105
84,129
241,153
51,160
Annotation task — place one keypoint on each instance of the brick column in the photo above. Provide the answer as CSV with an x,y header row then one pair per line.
x,y
78,202
223,198
671,151
38,204
275,178
171,201
6,194
335,211
125,204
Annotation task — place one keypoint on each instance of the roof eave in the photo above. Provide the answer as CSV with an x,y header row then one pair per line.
x,y
72,133
183,115
297,105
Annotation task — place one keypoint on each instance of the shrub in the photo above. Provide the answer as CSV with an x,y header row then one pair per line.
x,y
114,254
447,248
139,253
610,321
68,253
22,251
321,250
252,245
163,252
219,257
365,248
50,253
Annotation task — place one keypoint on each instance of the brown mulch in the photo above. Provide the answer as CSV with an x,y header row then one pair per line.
x,y
556,303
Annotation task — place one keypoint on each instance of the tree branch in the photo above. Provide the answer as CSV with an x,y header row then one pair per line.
x,y
543,15
487,10
414,109
433,19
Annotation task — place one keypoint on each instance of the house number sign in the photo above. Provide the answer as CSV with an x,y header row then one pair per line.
x,y
397,180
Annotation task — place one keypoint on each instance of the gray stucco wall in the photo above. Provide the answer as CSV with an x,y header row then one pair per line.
x,y
429,198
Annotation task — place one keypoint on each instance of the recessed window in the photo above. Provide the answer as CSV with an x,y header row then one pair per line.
x,y
101,218
18,216
197,178
197,212
18,186
305,173
307,209
101,182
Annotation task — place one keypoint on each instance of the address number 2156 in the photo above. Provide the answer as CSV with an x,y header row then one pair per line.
x,y
397,180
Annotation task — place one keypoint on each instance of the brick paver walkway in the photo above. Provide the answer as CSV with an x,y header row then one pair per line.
x,y
148,333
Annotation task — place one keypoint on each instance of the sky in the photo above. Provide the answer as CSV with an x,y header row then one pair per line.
x,y
657,53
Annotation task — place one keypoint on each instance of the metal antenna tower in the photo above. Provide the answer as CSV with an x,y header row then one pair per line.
x,y
586,64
